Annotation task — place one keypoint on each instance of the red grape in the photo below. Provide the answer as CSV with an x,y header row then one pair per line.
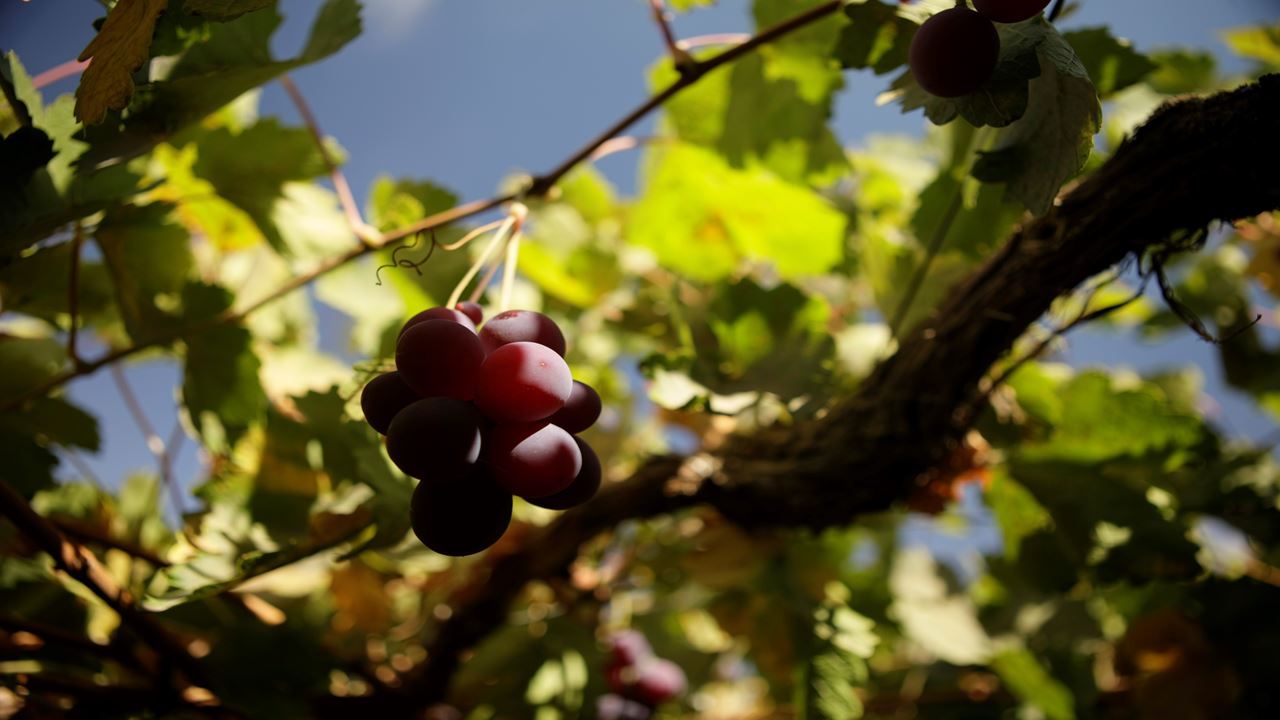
x,y
583,487
383,397
616,707
440,313
471,310
580,411
440,358
533,460
628,647
522,382
461,518
435,439
521,326
954,52
1009,11
658,681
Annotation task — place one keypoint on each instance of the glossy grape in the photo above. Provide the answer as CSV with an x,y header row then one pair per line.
x,y
463,517
435,439
658,681
583,487
954,52
628,647
1009,11
472,311
523,382
383,397
440,358
440,313
533,460
616,707
521,326
580,411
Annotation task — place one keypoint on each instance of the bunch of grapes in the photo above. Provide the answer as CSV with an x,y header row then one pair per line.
x,y
480,417
640,680
955,51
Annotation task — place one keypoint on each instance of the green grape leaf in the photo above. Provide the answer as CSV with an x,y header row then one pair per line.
x,y
877,37
29,468
251,168
149,258
1053,139
762,339
1027,678
1182,71
1260,43
1102,422
703,218
28,362
208,574
220,386
1016,512
1111,62
56,421
223,10
352,451
59,192
234,57
767,110
832,689
683,5
36,284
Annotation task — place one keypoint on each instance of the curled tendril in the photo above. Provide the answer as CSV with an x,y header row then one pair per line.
x,y
415,265
1184,243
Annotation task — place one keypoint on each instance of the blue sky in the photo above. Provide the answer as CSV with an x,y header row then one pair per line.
x,y
465,92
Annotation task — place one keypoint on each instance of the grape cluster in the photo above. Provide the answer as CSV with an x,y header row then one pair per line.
x,y
640,680
955,51
479,417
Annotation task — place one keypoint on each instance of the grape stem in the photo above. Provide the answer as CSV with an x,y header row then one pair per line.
x,y
509,271
506,230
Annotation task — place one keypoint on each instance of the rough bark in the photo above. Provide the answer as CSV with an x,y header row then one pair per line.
x,y
1195,162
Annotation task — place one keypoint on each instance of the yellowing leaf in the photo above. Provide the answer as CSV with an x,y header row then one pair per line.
x,y
120,47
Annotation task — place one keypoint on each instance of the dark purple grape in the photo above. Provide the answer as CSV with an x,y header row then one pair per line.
x,y
533,460
383,397
583,487
521,326
435,439
440,313
440,358
1009,11
658,681
628,647
523,382
616,707
580,411
954,52
461,518
472,311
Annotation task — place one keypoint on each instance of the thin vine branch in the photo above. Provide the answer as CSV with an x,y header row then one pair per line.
x,y
1084,317
366,233
156,445
679,56
85,569
931,253
89,535
538,188
73,294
